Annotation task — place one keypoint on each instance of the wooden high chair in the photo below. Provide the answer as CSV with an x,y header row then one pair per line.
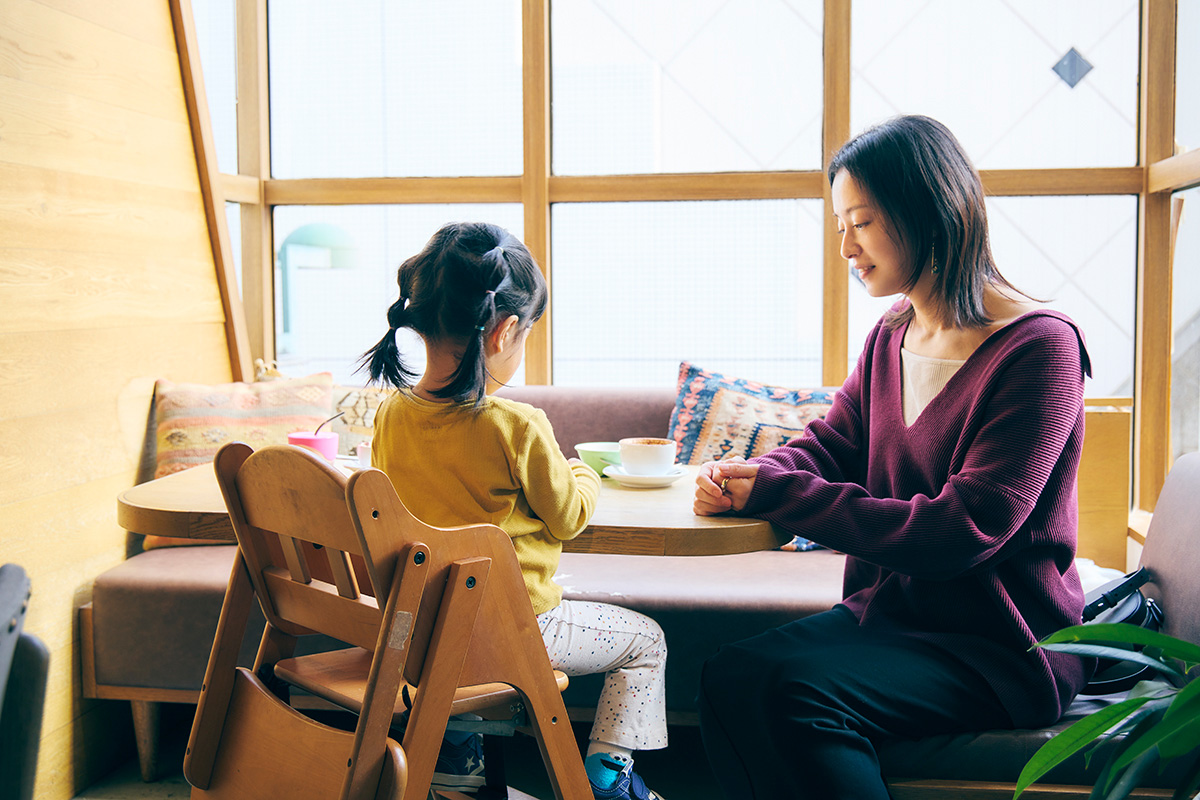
x,y
456,626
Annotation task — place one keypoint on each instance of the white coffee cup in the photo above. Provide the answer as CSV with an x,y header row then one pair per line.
x,y
643,455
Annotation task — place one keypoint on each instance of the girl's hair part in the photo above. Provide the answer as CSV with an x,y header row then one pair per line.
x,y
468,278
924,184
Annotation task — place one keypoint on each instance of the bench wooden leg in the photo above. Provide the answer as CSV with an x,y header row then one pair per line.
x,y
146,715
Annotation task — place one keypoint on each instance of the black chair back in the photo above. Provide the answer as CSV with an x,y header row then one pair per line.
x,y
24,664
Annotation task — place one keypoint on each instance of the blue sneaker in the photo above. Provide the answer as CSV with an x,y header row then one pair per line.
x,y
613,778
459,767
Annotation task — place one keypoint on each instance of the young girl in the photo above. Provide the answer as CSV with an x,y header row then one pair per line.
x,y
472,294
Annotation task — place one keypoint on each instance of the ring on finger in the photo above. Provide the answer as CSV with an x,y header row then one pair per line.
x,y
724,483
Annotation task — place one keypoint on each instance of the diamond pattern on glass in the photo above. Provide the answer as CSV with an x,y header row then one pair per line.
x,y
1010,111
1072,67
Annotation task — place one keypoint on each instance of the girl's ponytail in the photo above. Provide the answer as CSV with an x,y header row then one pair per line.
x,y
470,379
383,362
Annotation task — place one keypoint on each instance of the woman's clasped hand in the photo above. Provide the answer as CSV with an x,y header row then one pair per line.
x,y
724,485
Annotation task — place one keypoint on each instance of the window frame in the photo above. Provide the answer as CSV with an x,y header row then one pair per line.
x,y
1158,173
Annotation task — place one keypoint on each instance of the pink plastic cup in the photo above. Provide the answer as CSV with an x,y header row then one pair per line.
x,y
325,443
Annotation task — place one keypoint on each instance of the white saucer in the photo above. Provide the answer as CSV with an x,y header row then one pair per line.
x,y
645,481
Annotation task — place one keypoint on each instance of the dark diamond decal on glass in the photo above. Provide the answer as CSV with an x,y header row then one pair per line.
x,y
1072,67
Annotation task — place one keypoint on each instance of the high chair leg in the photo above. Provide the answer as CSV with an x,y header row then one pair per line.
x,y
439,679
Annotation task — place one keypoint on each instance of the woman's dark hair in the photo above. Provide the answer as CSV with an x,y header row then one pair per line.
x,y
920,179
468,278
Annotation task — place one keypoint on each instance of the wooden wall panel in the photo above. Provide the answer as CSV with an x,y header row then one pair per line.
x,y
50,289
45,209
104,364
107,282
72,56
120,143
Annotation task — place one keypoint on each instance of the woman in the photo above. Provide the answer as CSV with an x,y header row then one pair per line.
x,y
945,470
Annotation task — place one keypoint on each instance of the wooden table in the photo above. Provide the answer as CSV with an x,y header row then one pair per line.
x,y
654,522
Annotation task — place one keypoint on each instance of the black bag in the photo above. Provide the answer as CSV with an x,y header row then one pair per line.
x,y
1121,600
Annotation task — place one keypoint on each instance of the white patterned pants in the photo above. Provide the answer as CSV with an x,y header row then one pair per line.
x,y
584,638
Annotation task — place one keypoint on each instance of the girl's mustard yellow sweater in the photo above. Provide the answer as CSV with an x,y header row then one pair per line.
x,y
453,465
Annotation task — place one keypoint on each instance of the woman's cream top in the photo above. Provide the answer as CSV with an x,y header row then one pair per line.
x,y
923,378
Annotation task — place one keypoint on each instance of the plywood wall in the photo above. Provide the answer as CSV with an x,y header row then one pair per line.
x,y
106,283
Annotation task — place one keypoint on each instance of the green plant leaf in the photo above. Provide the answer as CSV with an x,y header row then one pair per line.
x,y
1131,778
1113,745
1179,725
1187,701
1110,747
1182,742
1070,741
1100,651
1157,688
1124,633
1184,710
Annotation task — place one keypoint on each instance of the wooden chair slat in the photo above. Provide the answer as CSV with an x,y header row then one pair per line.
x,y
317,607
343,575
297,566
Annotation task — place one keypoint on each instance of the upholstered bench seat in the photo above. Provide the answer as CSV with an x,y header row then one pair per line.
x,y
999,756
156,611
701,602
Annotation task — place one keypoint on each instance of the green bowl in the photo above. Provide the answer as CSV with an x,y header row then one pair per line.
x,y
599,455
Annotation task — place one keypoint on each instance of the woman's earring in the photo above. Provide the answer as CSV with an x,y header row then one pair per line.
x,y
933,255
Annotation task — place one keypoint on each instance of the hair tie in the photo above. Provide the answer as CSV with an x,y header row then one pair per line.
x,y
480,328
492,292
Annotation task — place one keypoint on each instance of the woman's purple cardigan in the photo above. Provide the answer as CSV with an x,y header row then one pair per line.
x,y
960,529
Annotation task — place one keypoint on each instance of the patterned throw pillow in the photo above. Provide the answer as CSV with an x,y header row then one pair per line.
x,y
195,419
717,417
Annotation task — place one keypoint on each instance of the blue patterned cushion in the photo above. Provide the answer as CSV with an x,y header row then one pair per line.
x,y
717,417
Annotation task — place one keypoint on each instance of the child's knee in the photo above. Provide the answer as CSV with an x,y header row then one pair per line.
x,y
657,638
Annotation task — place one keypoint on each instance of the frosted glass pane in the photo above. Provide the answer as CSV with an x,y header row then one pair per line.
x,y
371,88
340,277
987,70
686,85
216,37
1187,75
1079,254
733,286
1185,320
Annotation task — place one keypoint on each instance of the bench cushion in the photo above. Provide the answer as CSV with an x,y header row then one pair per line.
x,y
155,615
701,602
999,756
154,618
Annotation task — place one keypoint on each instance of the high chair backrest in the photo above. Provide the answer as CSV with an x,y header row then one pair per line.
x,y
475,626
506,607
309,565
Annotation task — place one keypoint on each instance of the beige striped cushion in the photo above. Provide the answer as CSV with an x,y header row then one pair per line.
x,y
195,419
